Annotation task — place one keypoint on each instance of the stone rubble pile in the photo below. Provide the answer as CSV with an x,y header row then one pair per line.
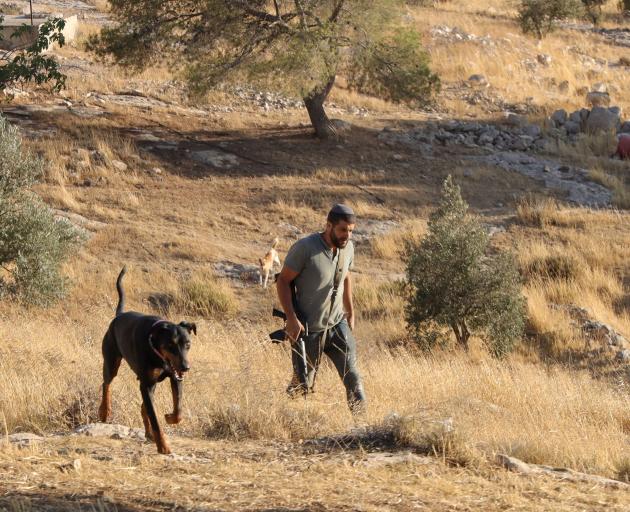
x,y
601,118
599,332
455,34
515,135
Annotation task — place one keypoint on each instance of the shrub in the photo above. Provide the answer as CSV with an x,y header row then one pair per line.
x,y
205,296
452,283
555,267
593,9
540,16
545,212
33,244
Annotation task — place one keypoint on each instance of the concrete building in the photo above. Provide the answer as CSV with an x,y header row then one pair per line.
x,y
12,22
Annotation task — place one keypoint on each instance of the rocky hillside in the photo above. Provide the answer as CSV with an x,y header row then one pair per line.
x,y
190,193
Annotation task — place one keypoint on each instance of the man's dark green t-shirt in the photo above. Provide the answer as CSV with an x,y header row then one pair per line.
x,y
315,264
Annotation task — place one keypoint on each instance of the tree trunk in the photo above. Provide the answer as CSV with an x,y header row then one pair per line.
x,y
462,334
314,103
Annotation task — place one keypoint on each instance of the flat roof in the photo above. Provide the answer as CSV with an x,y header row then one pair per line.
x,y
17,20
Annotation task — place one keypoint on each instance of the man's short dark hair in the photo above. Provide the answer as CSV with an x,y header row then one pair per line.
x,y
341,212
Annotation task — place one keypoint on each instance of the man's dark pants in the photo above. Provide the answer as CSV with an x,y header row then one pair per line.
x,y
340,347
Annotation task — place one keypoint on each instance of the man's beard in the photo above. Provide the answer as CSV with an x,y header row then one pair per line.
x,y
338,243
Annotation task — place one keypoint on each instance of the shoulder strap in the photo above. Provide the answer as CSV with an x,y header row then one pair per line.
x,y
341,260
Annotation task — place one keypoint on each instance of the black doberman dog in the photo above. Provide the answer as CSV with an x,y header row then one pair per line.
x,y
154,349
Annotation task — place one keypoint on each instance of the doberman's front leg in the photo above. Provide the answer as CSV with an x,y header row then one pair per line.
x,y
148,432
158,436
176,416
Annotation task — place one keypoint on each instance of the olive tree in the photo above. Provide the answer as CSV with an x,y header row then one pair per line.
x,y
453,282
24,63
33,243
299,46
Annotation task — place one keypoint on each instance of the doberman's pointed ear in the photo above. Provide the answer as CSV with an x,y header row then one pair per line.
x,y
189,326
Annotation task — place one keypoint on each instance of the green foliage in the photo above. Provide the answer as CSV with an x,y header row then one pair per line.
x,y
33,244
453,283
28,64
203,295
553,267
540,16
395,68
297,46
593,9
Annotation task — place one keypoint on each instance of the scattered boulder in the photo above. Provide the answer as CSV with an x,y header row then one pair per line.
x,y
573,181
97,157
518,466
516,119
602,119
532,130
110,430
119,166
218,159
340,126
83,224
243,272
559,117
600,87
544,59
371,228
598,99
572,128
615,110
23,439
623,356
564,86
385,459
604,333
478,81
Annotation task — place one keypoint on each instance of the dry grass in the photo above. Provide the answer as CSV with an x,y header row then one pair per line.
x,y
235,391
510,63
203,295
173,228
127,476
616,180
544,212
578,257
390,245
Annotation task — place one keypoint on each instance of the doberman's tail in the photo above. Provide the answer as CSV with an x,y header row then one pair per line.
x,y
121,292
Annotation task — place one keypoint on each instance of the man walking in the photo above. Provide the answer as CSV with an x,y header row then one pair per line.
x,y
315,290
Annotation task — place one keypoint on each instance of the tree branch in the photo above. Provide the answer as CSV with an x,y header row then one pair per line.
x,y
336,11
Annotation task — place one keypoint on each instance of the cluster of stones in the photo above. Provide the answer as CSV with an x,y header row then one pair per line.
x,y
600,118
515,135
265,99
455,34
594,330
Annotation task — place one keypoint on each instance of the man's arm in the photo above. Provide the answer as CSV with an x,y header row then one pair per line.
x,y
347,301
283,286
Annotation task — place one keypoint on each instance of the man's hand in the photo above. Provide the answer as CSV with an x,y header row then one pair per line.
x,y
293,328
350,320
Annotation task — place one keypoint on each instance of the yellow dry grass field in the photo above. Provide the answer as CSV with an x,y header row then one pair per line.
x,y
559,400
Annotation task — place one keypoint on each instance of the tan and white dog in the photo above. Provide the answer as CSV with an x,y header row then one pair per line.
x,y
267,263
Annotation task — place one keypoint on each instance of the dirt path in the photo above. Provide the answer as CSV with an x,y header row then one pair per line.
x,y
83,473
